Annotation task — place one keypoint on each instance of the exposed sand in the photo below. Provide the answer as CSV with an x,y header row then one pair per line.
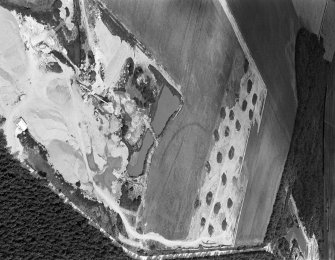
x,y
50,104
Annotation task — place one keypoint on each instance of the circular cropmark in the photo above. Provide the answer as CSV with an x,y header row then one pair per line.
x,y
229,203
223,179
254,99
217,207
238,125
216,135
231,153
249,86
224,225
219,157
223,113
209,198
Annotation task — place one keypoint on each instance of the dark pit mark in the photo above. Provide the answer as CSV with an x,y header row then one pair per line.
x,y
208,167
202,221
251,114
216,135
254,99
210,230
223,113
226,131
219,157
249,86
229,203
209,198
224,225
217,207
238,125
231,152
246,65
224,179
244,105
197,203
231,115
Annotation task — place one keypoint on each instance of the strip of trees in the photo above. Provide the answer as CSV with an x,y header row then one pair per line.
x,y
303,171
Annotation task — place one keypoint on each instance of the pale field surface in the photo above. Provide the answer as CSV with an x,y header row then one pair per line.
x,y
310,13
233,134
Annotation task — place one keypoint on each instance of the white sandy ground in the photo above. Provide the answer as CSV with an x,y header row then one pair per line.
x,y
50,105
68,20
57,117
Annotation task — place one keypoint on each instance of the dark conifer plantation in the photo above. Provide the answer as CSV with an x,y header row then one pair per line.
x,y
36,224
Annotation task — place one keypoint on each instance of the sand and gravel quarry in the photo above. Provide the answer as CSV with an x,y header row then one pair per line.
x,y
148,116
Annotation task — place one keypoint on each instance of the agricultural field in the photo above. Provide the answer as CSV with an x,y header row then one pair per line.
x,y
268,147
